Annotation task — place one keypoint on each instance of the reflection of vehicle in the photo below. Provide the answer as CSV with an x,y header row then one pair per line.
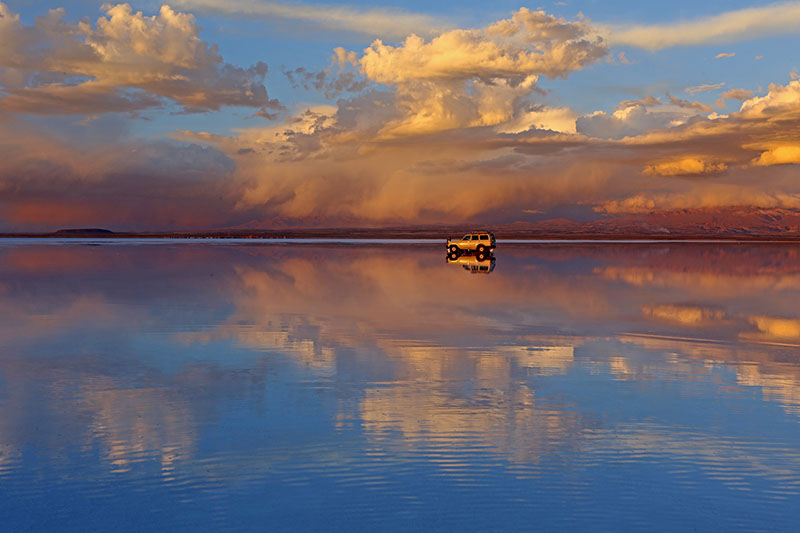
x,y
478,241
477,264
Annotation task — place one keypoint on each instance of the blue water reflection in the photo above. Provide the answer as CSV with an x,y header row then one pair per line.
x,y
243,386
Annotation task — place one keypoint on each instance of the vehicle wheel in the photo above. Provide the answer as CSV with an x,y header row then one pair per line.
x,y
481,249
453,256
453,249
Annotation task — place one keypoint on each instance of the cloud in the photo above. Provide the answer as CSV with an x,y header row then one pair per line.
x,y
779,155
711,197
69,175
686,315
126,62
338,78
686,166
422,125
733,26
344,162
634,117
780,100
87,98
735,94
696,106
754,143
396,150
738,94
723,55
377,22
704,88
530,43
560,119
647,101
475,77
776,328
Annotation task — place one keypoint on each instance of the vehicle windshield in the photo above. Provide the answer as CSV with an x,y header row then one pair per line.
x,y
466,238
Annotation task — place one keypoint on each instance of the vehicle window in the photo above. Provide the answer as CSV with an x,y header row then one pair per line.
x,y
466,238
484,237
484,268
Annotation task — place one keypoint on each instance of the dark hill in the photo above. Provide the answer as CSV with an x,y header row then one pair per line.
x,y
75,232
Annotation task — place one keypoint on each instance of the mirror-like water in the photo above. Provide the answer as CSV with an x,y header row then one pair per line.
x,y
179,386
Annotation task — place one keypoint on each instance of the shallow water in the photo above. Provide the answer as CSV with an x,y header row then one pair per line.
x,y
243,386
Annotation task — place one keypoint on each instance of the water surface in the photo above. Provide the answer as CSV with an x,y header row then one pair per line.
x,y
241,386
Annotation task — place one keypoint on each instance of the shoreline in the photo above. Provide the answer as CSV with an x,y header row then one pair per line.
x,y
399,234
138,239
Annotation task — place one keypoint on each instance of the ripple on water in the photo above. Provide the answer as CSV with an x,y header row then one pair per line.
x,y
338,388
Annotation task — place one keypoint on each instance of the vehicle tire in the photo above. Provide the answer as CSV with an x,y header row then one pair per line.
x,y
481,249
481,256
453,256
453,249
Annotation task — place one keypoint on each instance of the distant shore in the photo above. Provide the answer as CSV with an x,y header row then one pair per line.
x,y
400,233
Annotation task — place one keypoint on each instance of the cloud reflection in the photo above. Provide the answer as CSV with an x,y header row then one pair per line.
x,y
407,344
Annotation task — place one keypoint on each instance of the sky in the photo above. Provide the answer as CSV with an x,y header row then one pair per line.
x,y
207,114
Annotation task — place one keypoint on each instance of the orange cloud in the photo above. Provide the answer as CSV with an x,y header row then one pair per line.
x,y
706,197
686,166
429,122
529,43
781,100
377,174
777,329
780,155
472,78
692,316
737,94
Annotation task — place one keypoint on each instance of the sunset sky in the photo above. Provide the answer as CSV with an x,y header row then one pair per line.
x,y
205,114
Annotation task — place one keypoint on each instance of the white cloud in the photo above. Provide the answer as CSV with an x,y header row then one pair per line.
x,y
376,22
635,117
733,26
780,100
558,119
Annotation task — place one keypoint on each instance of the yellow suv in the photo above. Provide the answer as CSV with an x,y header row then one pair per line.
x,y
476,264
481,242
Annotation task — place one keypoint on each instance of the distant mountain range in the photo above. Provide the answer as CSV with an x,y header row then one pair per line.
x,y
730,222
727,223
737,222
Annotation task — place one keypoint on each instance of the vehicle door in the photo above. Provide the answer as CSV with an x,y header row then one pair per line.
x,y
475,242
